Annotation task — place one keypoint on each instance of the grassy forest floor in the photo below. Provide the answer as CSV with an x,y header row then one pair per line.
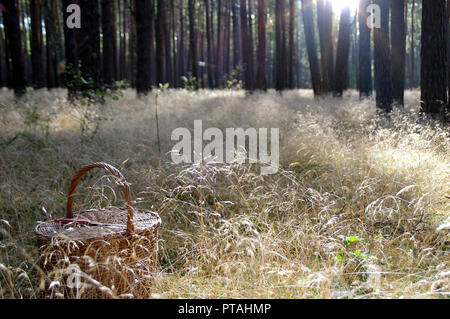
x,y
352,213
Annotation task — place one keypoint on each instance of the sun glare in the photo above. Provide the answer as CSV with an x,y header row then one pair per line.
x,y
338,5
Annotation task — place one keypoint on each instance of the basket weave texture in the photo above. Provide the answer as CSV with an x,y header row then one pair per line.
x,y
122,241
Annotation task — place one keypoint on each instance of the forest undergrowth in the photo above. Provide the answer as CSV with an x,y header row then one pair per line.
x,y
358,209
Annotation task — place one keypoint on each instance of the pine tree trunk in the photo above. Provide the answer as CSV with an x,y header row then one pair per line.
x,y
161,43
262,22
251,53
292,55
168,47
37,45
132,48
71,49
246,48
108,41
308,20
228,9
383,63
280,46
325,23
220,45
193,40
3,68
342,54
176,76
181,48
210,45
398,50
143,76
237,58
434,72
412,77
89,44
13,37
151,40
365,60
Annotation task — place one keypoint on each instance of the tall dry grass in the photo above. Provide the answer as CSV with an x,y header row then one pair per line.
x,y
352,213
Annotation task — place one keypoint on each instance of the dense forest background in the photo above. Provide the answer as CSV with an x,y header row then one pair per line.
x,y
324,45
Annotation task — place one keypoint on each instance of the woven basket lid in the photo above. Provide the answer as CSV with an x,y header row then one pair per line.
x,y
143,221
125,221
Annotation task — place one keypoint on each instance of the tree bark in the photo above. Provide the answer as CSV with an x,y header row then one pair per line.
x,y
246,48
181,49
383,63
220,45
308,20
280,46
434,72
412,77
143,27
161,42
108,41
262,22
89,44
37,45
237,57
325,23
342,55
3,66
398,50
365,60
210,45
193,40
71,48
13,37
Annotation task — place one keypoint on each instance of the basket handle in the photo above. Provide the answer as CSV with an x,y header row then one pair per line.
x,y
122,182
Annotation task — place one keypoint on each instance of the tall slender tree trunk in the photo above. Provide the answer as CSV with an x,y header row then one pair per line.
x,y
50,31
383,63
176,76
246,48
365,60
108,41
228,9
133,65
342,55
325,26
193,40
292,51
308,20
412,77
71,48
434,69
3,67
89,43
237,57
168,48
251,53
220,44
151,40
262,22
13,38
181,48
37,44
280,46
161,42
144,78
210,45
58,41
398,50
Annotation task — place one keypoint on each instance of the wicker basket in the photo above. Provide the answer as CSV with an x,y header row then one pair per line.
x,y
112,250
